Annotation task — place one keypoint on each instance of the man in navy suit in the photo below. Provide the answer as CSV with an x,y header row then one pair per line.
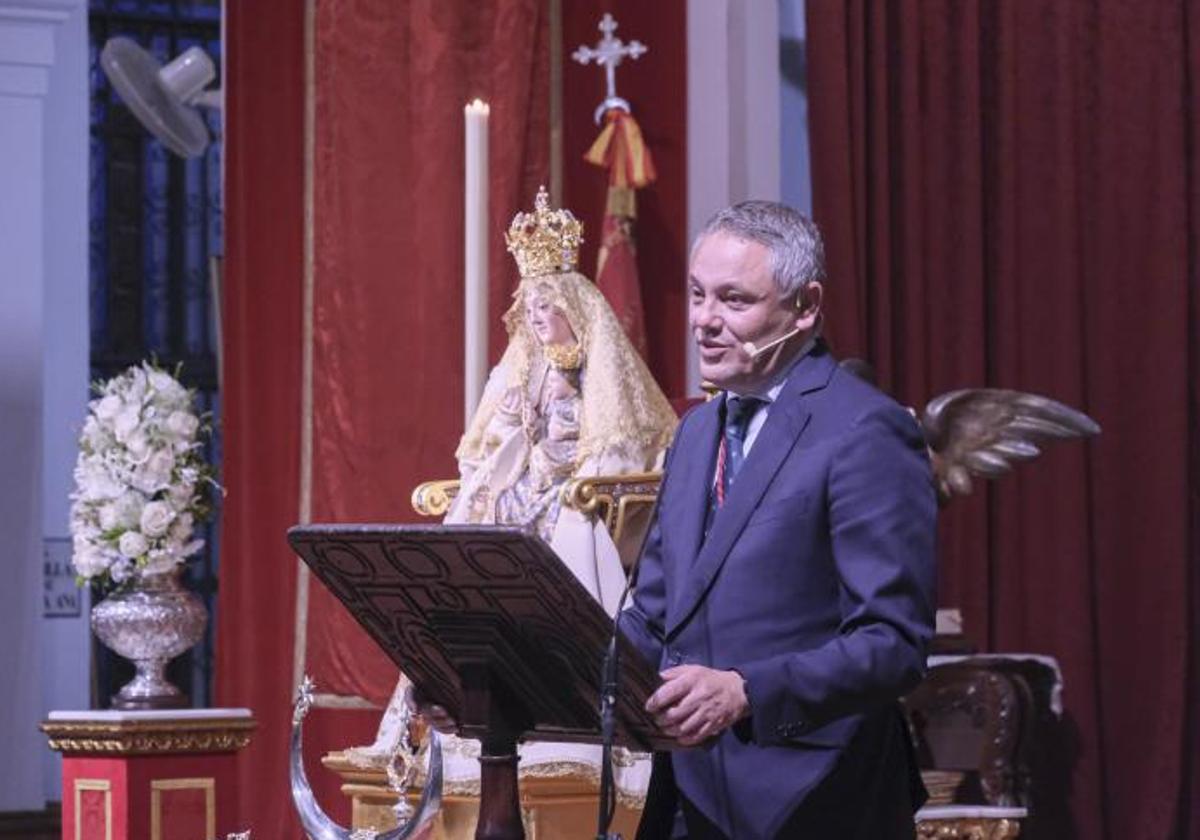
x,y
786,588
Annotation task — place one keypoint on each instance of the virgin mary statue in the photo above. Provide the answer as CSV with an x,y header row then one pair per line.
x,y
570,397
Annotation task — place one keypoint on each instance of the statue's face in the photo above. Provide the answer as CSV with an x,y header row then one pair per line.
x,y
732,299
547,321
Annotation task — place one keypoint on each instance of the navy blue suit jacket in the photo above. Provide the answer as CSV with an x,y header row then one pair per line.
x,y
815,582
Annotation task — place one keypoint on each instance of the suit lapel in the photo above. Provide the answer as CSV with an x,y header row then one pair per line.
x,y
689,504
785,424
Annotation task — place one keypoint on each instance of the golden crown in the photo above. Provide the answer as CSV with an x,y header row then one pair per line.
x,y
545,241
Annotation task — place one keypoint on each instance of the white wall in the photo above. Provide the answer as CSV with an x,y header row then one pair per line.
x,y
43,370
733,112
795,170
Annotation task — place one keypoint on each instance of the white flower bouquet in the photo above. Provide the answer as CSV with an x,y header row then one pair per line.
x,y
140,481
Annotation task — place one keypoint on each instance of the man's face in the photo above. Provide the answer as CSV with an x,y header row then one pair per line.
x,y
732,298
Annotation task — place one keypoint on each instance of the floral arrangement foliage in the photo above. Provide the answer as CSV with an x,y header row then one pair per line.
x,y
140,480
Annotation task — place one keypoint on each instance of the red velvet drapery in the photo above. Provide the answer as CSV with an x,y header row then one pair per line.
x,y
379,310
1009,194
388,257
264,247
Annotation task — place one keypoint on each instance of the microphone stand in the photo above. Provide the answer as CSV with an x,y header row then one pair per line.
x,y
608,703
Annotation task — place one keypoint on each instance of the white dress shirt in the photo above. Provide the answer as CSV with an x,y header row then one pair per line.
x,y
772,393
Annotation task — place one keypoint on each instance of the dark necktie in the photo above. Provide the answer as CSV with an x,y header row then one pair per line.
x,y
739,411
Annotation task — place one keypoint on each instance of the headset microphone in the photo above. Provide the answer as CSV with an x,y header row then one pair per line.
x,y
754,351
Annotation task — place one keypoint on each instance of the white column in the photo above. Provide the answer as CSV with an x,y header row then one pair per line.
x,y
795,171
43,369
733,112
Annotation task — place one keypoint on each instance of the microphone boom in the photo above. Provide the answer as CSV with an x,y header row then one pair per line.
x,y
754,352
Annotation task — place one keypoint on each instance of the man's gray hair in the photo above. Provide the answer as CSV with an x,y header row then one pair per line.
x,y
791,238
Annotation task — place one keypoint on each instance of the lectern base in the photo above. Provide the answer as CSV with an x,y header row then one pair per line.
x,y
500,809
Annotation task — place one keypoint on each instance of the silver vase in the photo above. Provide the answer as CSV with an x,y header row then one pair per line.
x,y
150,623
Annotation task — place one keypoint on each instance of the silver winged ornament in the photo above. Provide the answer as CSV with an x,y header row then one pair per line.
x,y
983,432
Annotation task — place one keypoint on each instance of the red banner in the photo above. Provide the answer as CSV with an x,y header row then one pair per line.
x,y
621,149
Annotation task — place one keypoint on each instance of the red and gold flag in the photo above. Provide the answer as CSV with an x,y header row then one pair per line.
x,y
621,149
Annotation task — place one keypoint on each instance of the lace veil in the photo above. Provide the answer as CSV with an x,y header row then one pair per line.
x,y
625,416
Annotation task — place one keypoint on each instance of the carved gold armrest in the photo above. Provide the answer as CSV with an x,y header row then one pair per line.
x,y
433,498
621,502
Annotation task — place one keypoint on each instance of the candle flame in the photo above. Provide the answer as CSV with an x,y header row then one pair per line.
x,y
477,106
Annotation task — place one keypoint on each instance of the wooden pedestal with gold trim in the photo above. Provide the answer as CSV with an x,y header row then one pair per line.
x,y
969,822
158,775
550,807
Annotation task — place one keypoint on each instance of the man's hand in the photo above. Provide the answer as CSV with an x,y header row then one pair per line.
x,y
435,715
697,703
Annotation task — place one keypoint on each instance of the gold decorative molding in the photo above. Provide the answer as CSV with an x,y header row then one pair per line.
x,y
433,498
207,785
99,785
974,828
143,737
621,502
552,805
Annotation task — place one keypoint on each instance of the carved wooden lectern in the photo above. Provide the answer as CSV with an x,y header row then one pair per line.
x,y
489,623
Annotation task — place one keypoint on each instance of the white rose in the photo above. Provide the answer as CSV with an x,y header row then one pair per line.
x,y
166,385
181,528
137,385
156,519
127,422
92,434
121,571
85,520
155,473
182,424
106,409
109,516
138,445
160,380
130,506
143,480
132,544
95,483
90,561
159,564
123,513
181,494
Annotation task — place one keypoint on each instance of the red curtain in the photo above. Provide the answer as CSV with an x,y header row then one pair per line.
x,y
388,257
1009,196
388,88
264,246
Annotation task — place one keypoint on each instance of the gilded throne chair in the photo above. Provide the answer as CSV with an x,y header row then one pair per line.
x,y
624,503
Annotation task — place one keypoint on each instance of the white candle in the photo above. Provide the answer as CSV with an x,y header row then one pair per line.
x,y
475,323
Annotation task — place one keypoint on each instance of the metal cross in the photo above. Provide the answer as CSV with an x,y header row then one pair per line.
x,y
609,52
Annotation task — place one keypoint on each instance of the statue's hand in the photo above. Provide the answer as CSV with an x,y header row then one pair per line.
x,y
435,715
558,386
